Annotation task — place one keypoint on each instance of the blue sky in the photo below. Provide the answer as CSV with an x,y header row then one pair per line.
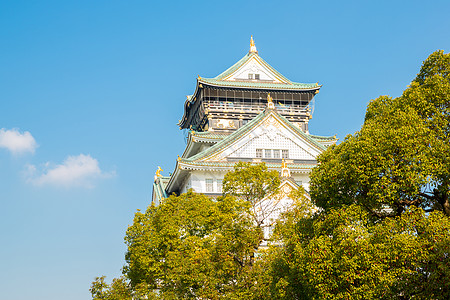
x,y
91,91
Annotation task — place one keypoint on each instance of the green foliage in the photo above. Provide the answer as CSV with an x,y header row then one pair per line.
x,y
400,157
251,183
382,230
118,290
192,246
342,254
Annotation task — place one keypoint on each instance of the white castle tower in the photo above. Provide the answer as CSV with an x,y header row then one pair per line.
x,y
248,113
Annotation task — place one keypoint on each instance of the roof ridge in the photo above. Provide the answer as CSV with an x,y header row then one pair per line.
x,y
306,135
261,84
244,60
244,129
232,136
235,66
321,137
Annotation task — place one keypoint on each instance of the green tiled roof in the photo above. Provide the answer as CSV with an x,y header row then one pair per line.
x,y
261,85
209,135
246,128
232,163
323,138
287,84
243,60
229,139
159,187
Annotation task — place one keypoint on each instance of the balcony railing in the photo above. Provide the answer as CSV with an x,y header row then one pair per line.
x,y
285,109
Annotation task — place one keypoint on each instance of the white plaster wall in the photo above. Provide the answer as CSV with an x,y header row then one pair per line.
x,y
198,180
304,178
254,67
272,141
273,136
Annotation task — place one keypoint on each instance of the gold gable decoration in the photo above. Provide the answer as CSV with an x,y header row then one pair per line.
x,y
270,102
285,172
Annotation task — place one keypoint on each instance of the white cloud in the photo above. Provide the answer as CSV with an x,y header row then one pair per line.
x,y
17,142
81,170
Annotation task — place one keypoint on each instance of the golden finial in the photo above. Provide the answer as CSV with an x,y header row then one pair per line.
x,y
285,172
198,77
252,45
179,158
270,101
158,172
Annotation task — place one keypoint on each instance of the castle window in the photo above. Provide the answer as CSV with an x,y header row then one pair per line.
x,y
259,153
209,185
276,153
284,153
267,153
250,76
219,185
257,76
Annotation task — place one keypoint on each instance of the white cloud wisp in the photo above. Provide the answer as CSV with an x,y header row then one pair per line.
x,y
82,170
16,142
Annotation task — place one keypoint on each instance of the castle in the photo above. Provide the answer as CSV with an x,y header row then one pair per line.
x,y
248,113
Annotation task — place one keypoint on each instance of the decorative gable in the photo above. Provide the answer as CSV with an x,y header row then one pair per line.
x,y
254,69
272,138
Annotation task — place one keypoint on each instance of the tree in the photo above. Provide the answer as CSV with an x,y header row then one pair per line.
x,y
190,246
253,183
400,157
342,254
193,246
382,230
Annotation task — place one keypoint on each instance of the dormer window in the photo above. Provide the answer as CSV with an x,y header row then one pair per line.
x,y
252,76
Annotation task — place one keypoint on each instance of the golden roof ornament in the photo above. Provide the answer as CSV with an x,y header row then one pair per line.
x,y
285,172
252,45
158,172
270,102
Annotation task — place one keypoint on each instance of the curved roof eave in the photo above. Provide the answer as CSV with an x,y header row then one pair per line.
x,y
282,87
189,99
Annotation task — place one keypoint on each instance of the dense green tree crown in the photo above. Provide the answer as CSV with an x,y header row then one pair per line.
x,y
342,254
196,247
401,155
252,183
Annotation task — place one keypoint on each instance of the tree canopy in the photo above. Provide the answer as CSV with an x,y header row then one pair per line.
x,y
401,155
194,246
